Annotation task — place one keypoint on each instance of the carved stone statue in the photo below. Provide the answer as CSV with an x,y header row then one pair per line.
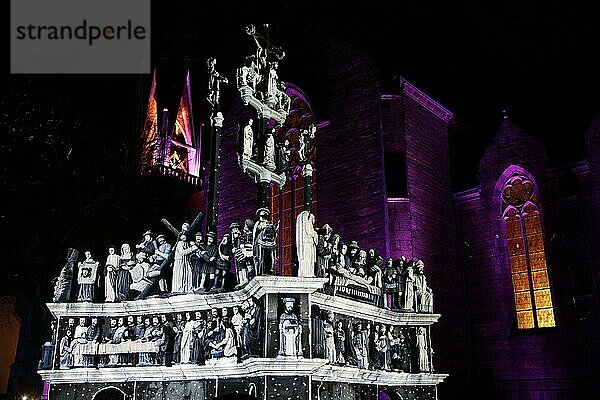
x,y
404,353
353,250
373,268
148,244
248,141
79,339
390,285
290,331
226,346
265,242
409,291
422,349
340,342
283,156
306,244
237,321
383,349
209,255
302,146
423,293
62,288
324,250
197,261
269,160
329,334
273,81
242,74
162,252
139,271
305,139
359,347
224,253
182,267
283,100
86,278
198,335
66,350
266,246
244,253
110,275
185,354
123,275
214,83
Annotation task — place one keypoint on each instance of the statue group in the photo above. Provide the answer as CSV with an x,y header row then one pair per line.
x,y
192,265
193,337
198,264
398,284
368,345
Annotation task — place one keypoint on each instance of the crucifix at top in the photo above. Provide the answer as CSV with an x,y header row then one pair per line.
x,y
213,97
260,87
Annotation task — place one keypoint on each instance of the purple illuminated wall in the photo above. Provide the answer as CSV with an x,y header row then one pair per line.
x,y
547,364
422,226
466,265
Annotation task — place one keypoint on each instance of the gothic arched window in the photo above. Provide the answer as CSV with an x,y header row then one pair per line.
x,y
522,219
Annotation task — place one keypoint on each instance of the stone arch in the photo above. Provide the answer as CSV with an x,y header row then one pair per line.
x,y
110,393
516,197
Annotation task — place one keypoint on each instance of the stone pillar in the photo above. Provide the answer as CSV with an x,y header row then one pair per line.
x,y
212,203
263,195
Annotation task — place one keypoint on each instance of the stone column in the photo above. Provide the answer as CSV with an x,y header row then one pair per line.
x,y
213,179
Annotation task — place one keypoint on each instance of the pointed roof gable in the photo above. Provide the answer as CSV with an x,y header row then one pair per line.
x,y
510,145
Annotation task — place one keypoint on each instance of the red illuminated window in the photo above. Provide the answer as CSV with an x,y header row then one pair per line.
x,y
288,201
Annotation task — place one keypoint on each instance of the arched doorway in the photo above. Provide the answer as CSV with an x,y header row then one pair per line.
x,y
391,394
109,393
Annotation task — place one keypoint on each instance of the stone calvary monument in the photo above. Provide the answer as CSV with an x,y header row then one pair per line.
x,y
349,325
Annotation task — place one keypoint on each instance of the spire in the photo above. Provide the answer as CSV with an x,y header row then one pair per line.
x,y
150,137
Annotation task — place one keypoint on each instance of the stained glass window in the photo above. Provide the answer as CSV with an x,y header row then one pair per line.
x,y
527,253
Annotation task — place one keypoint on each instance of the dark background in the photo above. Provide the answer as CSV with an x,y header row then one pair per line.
x,y
69,144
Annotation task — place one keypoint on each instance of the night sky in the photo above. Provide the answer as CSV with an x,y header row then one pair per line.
x,y
539,59
70,182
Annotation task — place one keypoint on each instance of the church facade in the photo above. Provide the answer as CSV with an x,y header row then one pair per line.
x,y
512,262
513,259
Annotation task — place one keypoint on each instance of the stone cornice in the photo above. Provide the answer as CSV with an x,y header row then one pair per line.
x,y
185,302
254,367
370,312
331,373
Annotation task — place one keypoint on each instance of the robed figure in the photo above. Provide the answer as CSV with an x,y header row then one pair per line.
x,y
306,244
187,338
182,267
86,278
423,293
110,275
422,350
290,331
123,275
66,350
